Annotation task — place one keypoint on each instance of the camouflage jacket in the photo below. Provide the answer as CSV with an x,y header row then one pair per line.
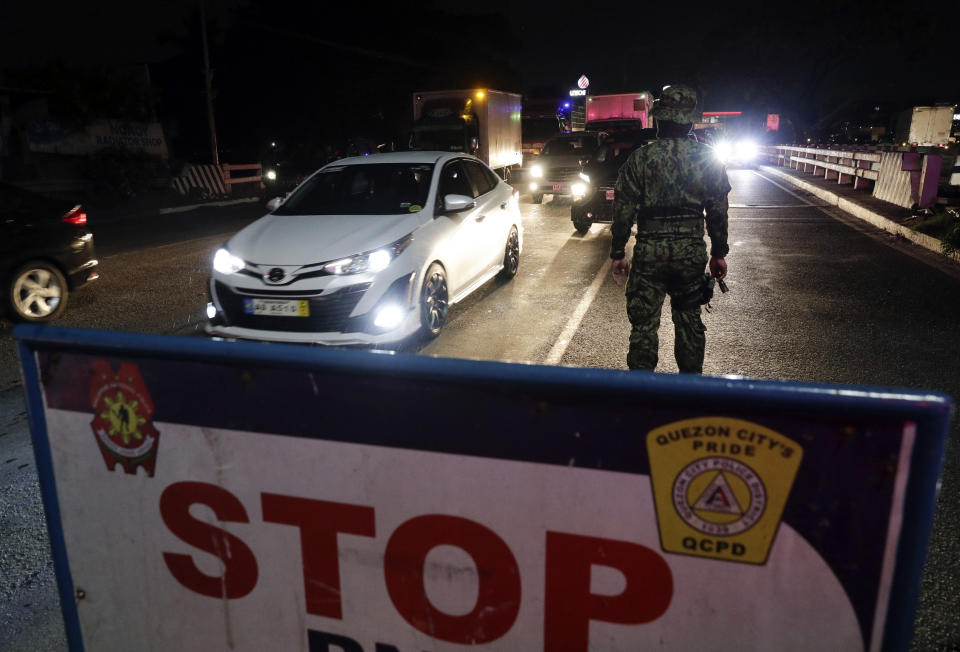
x,y
671,178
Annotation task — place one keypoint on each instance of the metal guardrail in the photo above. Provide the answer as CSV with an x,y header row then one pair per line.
x,y
907,179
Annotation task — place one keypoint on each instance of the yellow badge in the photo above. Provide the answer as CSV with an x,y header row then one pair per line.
x,y
720,486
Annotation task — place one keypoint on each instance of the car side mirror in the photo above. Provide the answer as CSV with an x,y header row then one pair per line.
x,y
274,204
457,203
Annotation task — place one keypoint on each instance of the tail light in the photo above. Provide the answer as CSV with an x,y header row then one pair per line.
x,y
76,216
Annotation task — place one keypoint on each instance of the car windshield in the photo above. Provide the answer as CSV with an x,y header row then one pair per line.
x,y
444,138
615,151
578,145
374,189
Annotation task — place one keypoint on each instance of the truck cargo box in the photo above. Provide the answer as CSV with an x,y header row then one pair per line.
x,y
490,116
925,125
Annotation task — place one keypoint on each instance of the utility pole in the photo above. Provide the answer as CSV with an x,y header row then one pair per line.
x,y
207,78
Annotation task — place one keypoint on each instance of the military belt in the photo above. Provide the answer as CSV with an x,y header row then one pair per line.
x,y
654,212
670,225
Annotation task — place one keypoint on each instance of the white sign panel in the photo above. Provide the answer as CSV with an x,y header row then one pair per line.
x,y
349,502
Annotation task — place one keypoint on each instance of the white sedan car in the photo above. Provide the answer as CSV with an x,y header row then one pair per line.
x,y
367,250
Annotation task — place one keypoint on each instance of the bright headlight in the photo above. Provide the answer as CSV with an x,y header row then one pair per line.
x,y
723,150
226,263
584,176
272,175
379,260
536,171
371,261
746,149
578,189
389,316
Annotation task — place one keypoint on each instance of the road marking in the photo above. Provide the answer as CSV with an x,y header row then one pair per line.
x,y
769,205
560,347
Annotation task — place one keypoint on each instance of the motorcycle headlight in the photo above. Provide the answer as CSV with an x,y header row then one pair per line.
x,y
370,261
226,263
272,175
536,171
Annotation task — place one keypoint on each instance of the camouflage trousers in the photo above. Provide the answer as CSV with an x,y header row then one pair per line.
x,y
662,266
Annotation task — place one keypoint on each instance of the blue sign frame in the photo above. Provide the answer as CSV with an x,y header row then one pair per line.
x,y
928,410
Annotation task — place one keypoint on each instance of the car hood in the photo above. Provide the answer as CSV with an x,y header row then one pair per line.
x,y
309,239
561,160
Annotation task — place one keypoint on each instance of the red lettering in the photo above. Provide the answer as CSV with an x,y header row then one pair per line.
x,y
498,599
319,522
569,604
239,565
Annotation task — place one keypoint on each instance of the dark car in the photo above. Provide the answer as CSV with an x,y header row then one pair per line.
x,y
46,249
599,175
553,172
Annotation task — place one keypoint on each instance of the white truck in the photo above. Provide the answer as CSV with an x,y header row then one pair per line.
x,y
482,122
925,125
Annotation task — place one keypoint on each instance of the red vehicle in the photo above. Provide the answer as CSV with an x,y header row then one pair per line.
x,y
630,111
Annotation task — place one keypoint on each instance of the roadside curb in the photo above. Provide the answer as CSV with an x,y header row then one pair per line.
x,y
190,207
863,213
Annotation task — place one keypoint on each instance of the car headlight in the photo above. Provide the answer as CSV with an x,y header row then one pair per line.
x,y
584,176
226,263
578,189
370,261
723,150
536,171
746,149
272,175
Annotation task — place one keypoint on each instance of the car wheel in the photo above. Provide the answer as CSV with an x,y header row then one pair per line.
x,y
434,301
37,292
581,222
538,198
511,255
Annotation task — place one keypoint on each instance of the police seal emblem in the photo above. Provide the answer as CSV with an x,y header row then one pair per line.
x,y
122,418
719,496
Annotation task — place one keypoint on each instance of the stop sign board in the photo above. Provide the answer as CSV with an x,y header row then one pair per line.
x,y
203,495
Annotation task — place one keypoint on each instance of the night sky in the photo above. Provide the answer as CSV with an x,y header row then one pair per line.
x,y
318,71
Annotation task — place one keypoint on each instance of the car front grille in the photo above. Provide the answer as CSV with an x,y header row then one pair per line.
x,y
559,175
329,313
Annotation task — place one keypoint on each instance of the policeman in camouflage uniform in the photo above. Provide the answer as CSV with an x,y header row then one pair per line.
x,y
668,188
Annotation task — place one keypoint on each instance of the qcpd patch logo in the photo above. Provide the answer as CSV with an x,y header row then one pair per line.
x,y
719,496
720,486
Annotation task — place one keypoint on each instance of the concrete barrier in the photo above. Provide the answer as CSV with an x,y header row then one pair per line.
x,y
906,179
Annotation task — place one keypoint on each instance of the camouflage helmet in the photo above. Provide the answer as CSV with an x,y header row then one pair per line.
x,y
678,103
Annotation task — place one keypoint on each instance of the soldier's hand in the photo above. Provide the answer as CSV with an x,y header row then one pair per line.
x,y
619,269
718,268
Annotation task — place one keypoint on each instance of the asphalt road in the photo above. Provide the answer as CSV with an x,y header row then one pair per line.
x,y
815,296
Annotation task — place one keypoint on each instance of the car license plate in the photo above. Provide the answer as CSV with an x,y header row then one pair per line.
x,y
277,307
557,186
609,195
